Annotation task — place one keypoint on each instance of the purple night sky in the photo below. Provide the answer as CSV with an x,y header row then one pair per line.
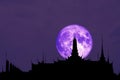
x,y
29,28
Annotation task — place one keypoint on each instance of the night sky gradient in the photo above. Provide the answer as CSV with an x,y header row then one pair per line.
x,y
29,28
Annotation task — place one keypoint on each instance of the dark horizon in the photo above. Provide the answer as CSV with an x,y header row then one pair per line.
x,y
74,58
102,69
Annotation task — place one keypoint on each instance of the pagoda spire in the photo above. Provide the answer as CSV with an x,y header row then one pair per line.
x,y
102,57
74,50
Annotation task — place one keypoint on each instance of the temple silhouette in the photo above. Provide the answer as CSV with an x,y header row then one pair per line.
x,y
72,68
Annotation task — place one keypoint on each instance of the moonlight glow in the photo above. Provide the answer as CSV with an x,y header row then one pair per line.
x,y
65,38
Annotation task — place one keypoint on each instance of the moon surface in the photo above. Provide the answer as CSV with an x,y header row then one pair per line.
x,y
64,42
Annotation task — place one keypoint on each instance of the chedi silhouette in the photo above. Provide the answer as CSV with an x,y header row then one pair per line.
x,y
74,67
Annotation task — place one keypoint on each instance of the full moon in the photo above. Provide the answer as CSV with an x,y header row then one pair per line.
x,y
64,42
